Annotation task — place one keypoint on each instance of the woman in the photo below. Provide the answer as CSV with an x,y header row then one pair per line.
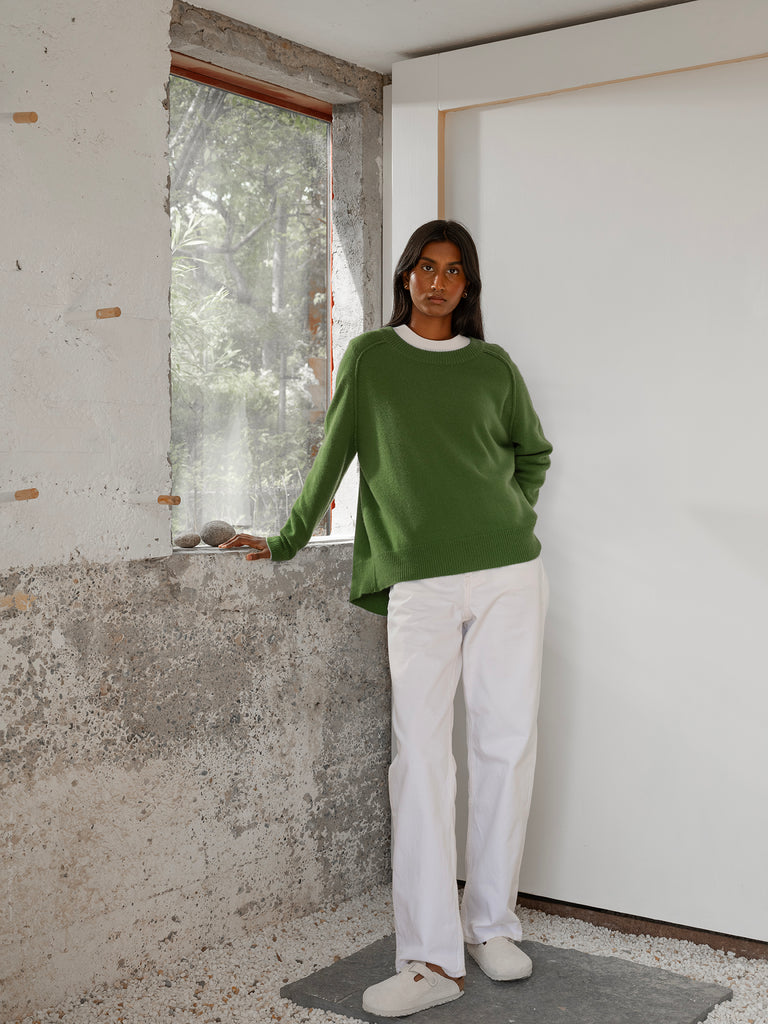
x,y
451,457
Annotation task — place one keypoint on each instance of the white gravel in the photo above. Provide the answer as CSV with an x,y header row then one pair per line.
x,y
239,983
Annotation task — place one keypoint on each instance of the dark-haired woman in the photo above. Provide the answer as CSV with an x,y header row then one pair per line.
x,y
451,456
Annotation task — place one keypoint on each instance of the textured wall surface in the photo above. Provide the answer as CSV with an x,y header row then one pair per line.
x,y
191,746
85,402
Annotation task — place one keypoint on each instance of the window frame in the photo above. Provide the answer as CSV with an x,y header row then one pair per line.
x,y
244,85
194,69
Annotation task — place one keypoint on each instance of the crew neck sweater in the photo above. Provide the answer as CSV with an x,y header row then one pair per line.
x,y
451,455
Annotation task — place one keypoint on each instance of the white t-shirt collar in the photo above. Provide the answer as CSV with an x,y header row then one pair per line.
x,y
449,345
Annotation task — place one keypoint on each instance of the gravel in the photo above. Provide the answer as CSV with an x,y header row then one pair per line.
x,y
240,982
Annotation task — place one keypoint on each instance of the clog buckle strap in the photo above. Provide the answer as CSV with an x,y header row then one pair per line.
x,y
419,969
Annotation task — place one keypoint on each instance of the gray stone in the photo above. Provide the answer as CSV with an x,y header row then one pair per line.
x,y
566,985
187,540
216,532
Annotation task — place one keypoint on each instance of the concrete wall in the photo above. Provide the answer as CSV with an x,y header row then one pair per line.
x,y
85,404
190,744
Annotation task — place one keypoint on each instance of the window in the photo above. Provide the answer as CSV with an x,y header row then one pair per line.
x,y
249,298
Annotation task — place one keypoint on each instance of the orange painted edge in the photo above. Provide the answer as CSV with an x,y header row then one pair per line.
x,y
441,164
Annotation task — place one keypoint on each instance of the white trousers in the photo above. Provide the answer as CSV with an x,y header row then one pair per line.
x,y
489,626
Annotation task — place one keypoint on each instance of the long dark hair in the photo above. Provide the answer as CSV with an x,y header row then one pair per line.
x,y
467,318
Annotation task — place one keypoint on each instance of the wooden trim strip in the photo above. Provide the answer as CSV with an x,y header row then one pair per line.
x,y
630,925
232,81
441,164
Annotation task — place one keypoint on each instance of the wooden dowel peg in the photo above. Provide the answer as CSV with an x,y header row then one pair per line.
x,y
108,313
24,495
148,499
24,117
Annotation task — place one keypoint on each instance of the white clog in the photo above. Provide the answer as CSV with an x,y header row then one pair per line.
x,y
501,959
403,993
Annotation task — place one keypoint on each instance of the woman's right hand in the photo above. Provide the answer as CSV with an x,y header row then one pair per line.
x,y
245,540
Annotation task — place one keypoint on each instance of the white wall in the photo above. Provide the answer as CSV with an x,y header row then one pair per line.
x,y
85,405
628,257
621,232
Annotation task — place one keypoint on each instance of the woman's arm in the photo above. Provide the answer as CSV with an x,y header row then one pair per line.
x,y
331,463
532,449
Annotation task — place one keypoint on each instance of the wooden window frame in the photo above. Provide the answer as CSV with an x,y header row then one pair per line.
x,y
243,85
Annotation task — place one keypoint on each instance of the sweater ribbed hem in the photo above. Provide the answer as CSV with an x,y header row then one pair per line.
x,y
441,558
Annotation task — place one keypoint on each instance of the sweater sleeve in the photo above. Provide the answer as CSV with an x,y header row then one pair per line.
x,y
532,449
330,465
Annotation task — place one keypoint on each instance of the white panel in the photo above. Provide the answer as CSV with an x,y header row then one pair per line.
x,y
622,239
638,44
414,149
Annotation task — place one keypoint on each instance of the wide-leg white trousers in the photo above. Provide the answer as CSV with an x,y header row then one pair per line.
x,y
489,625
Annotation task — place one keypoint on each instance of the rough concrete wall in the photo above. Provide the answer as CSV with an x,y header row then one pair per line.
x,y
85,226
191,746
188,745
241,47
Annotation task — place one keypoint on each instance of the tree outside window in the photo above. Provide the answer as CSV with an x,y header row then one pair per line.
x,y
249,305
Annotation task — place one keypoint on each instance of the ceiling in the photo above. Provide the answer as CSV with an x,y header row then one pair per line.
x,y
377,33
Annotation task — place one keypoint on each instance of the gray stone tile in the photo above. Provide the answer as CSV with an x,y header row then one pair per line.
x,y
567,987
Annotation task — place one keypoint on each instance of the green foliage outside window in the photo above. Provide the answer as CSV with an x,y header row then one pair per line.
x,y
249,334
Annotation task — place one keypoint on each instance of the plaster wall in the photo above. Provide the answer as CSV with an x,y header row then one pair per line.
x,y
190,744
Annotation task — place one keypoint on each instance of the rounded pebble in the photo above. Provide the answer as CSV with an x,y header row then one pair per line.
x,y
187,540
216,532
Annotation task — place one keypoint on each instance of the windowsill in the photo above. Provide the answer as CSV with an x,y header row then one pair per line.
x,y
206,549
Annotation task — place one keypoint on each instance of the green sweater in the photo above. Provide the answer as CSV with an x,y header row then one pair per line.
x,y
451,456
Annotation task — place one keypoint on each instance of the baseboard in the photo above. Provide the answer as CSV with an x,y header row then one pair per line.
x,y
751,948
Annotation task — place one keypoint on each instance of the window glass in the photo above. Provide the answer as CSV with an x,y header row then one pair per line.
x,y
249,305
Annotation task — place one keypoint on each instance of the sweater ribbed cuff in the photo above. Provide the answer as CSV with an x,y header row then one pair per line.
x,y
278,550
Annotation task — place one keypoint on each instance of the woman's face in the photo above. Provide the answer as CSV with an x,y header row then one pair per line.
x,y
437,284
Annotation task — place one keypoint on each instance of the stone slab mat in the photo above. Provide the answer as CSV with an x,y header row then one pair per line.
x,y
567,987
